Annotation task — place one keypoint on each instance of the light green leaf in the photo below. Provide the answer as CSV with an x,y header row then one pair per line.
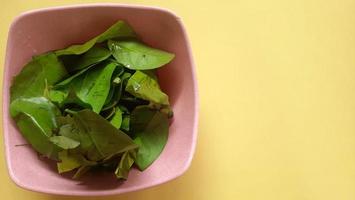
x,y
68,161
43,70
151,129
117,118
125,123
57,96
125,164
93,87
88,89
64,142
145,86
119,30
135,55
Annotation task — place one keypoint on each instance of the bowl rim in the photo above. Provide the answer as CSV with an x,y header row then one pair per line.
x,y
6,102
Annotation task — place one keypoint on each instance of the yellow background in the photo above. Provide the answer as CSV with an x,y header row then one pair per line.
x,y
277,95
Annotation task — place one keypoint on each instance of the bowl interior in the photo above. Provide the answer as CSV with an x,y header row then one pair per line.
x,y
40,31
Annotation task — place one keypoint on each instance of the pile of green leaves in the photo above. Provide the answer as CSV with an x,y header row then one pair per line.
x,y
95,105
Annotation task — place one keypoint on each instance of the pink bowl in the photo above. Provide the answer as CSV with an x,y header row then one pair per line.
x,y
39,31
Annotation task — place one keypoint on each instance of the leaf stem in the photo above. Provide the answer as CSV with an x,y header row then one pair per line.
x,y
70,111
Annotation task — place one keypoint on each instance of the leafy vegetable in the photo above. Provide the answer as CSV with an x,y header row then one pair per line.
x,y
77,62
90,87
125,122
116,120
94,86
36,136
107,139
151,133
125,164
119,30
32,80
68,162
145,86
64,142
41,110
67,81
95,106
135,55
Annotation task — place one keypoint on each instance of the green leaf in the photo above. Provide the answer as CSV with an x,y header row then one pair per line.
x,y
125,164
93,56
73,98
36,118
64,142
36,136
41,110
119,30
94,86
69,80
151,130
32,80
145,86
57,96
73,128
125,123
116,92
67,130
135,55
88,89
107,139
117,118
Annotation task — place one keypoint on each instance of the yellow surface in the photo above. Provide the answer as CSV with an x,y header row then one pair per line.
x,y
277,90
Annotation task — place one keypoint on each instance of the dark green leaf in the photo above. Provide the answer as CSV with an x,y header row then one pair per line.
x,y
119,30
124,109
150,128
41,110
135,55
43,70
116,92
145,86
73,128
73,98
93,56
35,135
69,80
107,139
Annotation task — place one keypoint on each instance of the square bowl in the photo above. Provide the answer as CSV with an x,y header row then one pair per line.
x,y
43,30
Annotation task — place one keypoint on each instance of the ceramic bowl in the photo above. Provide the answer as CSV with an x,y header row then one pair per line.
x,y
39,31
